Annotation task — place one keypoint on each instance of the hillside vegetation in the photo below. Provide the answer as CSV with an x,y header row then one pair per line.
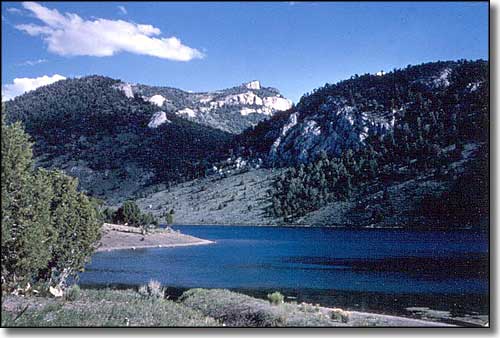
x,y
374,132
93,131
405,148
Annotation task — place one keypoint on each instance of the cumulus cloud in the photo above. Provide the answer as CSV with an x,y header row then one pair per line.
x,y
122,10
68,35
26,84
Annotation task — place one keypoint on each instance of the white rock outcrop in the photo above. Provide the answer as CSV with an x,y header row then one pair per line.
x,y
443,80
253,85
292,122
247,111
277,103
187,112
244,98
157,100
158,119
126,88
333,129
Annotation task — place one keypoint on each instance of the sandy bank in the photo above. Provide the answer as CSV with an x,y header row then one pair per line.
x,y
120,238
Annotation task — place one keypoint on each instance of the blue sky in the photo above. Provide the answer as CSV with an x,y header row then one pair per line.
x,y
293,46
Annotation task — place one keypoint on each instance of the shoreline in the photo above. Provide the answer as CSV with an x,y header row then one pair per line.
x,y
201,242
118,237
350,227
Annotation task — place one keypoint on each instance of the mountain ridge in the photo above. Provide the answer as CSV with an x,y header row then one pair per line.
x,y
232,110
412,136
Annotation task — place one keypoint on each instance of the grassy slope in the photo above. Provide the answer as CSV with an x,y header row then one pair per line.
x,y
101,308
238,199
196,307
242,199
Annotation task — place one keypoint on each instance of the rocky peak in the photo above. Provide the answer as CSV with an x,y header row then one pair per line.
x,y
231,110
253,85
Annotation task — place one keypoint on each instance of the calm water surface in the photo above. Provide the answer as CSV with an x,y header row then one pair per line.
x,y
373,269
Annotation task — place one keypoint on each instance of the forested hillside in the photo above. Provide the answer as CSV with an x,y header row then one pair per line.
x,y
372,132
404,148
113,143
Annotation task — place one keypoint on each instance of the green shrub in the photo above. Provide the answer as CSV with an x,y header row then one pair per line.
x,y
143,290
72,293
276,298
171,217
340,315
234,309
130,214
153,289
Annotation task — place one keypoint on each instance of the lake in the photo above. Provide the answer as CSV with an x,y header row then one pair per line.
x,y
382,270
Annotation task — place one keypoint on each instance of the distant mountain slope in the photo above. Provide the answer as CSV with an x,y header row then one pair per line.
x,y
406,148
231,110
343,116
115,144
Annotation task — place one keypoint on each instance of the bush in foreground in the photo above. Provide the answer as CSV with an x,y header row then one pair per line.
x,y
275,298
152,289
72,293
236,309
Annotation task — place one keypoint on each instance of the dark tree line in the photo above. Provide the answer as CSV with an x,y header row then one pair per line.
x,y
130,214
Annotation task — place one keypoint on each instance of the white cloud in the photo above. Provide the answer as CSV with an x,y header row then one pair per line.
x,y
122,10
26,84
68,34
14,10
32,62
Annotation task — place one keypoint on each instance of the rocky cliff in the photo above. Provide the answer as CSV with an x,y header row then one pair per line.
x,y
231,110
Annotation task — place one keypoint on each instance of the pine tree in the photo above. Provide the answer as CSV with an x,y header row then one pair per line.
x,y
171,217
76,222
129,213
26,225
48,227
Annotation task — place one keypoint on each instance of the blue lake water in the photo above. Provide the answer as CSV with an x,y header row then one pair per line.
x,y
372,269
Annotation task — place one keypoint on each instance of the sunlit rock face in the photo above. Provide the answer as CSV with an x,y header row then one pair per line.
x,y
158,119
253,85
335,128
157,100
277,103
233,110
126,88
186,112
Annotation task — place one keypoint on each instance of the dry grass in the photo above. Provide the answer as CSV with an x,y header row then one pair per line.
x,y
100,308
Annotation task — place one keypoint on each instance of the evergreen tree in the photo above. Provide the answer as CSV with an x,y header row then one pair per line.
x,y
26,225
77,225
49,229
171,217
129,213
